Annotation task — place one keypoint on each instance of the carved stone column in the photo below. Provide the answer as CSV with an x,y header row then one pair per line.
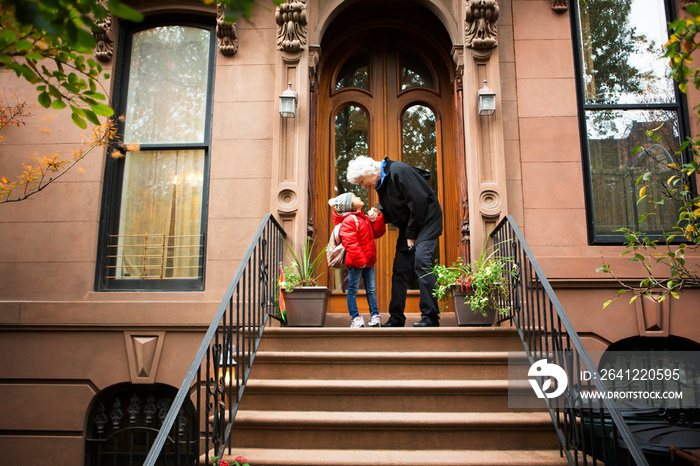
x,y
458,92
290,159
484,142
314,59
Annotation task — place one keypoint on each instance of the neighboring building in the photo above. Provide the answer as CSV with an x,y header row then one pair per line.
x,y
112,275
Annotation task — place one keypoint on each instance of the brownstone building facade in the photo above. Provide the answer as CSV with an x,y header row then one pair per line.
x,y
111,276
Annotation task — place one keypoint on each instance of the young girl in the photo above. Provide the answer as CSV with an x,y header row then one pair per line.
x,y
357,233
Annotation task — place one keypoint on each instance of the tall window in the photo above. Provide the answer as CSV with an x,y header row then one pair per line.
x,y
156,180
624,94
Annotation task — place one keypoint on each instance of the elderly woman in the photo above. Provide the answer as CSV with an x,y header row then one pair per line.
x,y
408,202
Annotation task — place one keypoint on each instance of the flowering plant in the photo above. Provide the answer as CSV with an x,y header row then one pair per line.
x,y
484,281
304,270
237,461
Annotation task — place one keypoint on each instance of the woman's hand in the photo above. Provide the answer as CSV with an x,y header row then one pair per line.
x,y
411,243
373,214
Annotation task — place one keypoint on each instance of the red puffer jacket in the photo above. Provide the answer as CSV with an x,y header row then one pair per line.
x,y
358,237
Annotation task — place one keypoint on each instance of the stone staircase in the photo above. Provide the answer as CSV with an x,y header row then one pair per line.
x,y
388,396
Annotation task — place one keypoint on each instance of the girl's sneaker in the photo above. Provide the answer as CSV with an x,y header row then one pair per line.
x,y
357,322
375,321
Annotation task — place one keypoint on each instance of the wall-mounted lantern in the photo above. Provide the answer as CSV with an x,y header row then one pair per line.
x,y
487,101
288,103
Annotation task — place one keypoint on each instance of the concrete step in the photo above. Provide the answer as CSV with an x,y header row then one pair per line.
x,y
336,396
381,365
378,395
440,339
354,457
395,431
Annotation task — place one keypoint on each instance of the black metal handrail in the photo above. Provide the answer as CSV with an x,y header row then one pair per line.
x,y
547,333
220,369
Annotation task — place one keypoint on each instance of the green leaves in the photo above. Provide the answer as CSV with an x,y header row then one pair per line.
x,y
236,9
305,266
46,42
119,9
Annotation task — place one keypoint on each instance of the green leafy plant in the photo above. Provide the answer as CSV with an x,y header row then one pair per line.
x,y
484,281
304,269
50,44
663,259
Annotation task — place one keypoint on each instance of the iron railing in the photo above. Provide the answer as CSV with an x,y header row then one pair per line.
x,y
154,256
217,377
590,431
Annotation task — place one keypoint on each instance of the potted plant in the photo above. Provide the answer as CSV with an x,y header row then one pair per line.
x,y
305,303
476,289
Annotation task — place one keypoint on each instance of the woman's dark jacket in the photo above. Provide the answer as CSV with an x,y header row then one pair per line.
x,y
409,202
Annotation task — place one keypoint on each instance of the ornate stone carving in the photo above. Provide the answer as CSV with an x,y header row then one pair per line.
x,y
653,316
291,25
226,32
314,59
458,59
481,17
560,6
143,355
287,199
465,230
490,203
104,37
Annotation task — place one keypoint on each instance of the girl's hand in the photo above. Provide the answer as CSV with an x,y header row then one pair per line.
x,y
373,214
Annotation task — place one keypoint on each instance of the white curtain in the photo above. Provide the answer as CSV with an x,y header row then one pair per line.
x,y
160,215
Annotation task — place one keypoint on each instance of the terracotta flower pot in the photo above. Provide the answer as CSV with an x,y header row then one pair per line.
x,y
306,306
466,317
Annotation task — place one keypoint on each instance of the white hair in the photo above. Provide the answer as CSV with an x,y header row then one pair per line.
x,y
362,166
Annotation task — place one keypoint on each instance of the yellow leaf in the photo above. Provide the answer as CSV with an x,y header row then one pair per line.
x,y
642,191
672,165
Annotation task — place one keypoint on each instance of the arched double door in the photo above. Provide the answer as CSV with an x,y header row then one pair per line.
x,y
385,90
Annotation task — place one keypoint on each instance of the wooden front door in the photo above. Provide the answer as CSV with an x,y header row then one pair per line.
x,y
385,90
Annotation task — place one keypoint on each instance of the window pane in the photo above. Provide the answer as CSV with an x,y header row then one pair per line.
x,y
414,72
622,44
418,140
167,94
354,73
351,140
612,136
161,215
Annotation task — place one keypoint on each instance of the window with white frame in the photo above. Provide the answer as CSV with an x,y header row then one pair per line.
x,y
626,102
156,179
